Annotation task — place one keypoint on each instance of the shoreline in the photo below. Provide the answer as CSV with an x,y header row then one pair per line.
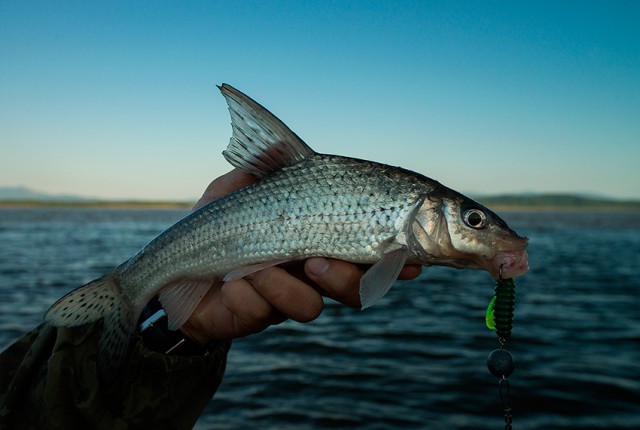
x,y
559,208
162,205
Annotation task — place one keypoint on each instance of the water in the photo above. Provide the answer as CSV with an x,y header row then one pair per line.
x,y
415,360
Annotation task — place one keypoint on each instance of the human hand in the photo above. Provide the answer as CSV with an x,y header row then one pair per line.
x,y
251,304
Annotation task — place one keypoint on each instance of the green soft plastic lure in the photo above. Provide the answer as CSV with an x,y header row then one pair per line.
x,y
499,315
489,317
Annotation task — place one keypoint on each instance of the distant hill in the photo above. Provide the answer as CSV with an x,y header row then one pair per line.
x,y
21,194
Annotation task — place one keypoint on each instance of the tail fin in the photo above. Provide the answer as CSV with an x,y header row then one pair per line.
x,y
98,299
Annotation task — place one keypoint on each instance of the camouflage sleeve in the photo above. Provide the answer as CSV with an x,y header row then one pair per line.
x,y
48,380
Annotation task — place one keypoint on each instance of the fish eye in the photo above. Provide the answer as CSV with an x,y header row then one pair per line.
x,y
475,218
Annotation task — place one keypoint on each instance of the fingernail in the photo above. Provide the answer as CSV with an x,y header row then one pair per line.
x,y
317,266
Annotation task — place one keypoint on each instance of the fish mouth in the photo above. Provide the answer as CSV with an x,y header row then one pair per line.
x,y
508,264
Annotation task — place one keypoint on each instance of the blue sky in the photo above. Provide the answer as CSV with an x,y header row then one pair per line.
x,y
118,99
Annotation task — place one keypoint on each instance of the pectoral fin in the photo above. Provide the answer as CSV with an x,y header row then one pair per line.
x,y
380,277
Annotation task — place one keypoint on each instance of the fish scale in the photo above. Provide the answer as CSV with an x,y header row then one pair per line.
x,y
261,222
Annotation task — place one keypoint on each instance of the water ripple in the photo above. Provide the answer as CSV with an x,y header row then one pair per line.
x,y
415,360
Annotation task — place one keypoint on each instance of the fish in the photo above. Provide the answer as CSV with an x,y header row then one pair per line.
x,y
305,204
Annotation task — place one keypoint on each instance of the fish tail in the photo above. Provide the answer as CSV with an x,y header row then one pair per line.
x,y
99,299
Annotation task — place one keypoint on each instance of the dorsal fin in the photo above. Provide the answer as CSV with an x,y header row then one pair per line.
x,y
260,143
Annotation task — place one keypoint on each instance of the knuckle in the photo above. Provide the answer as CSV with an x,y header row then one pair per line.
x,y
240,300
249,327
259,313
262,278
346,289
287,294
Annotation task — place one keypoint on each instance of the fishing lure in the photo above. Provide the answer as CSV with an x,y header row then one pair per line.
x,y
499,317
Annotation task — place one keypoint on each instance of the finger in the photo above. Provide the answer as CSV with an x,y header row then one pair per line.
x,y
291,296
410,271
228,311
211,319
229,182
338,279
252,312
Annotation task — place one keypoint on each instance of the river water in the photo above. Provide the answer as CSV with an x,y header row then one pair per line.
x,y
417,359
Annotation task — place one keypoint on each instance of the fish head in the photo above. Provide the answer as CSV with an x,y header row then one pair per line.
x,y
450,229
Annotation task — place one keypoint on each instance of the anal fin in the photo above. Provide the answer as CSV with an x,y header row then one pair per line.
x,y
180,299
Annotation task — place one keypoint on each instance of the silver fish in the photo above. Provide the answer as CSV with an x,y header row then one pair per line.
x,y
306,204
